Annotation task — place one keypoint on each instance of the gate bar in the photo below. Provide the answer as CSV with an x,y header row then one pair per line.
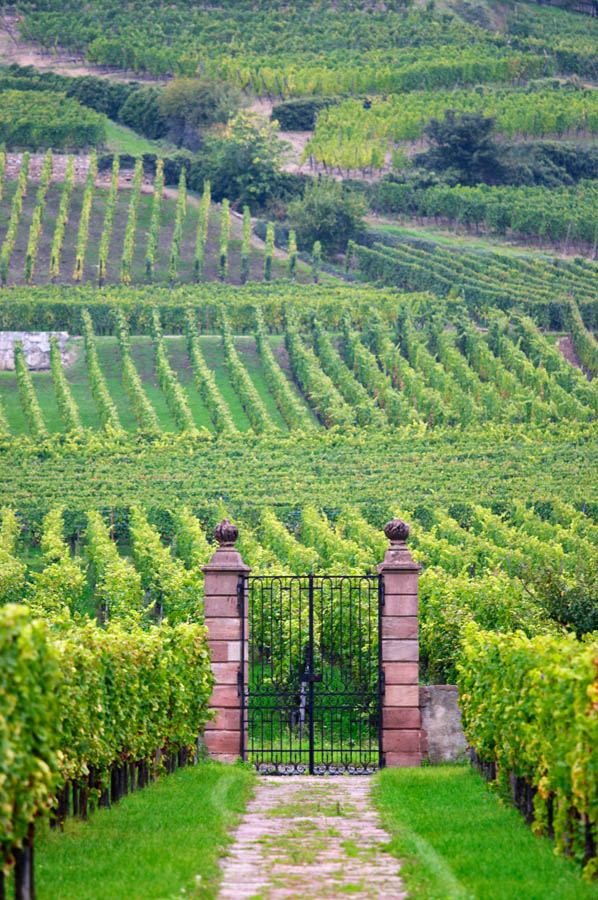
x,y
310,659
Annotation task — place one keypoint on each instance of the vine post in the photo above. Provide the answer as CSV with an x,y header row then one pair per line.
x,y
401,732
225,615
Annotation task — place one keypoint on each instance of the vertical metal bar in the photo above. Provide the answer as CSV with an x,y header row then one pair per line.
x,y
241,598
380,671
311,672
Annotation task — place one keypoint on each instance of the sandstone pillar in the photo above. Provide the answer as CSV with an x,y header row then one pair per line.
x,y
402,739
225,616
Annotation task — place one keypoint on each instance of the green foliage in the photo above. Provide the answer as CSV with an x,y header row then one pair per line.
x,y
57,590
564,213
174,393
462,145
143,409
324,398
181,210
205,382
29,721
117,584
241,162
359,135
15,214
583,340
29,402
154,230
131,227
486,280
195,103
12,570
141,112
111,202
32,120
365,409
291,408
242,383
66,404
62,218
83,228
327,214
269,251
36,221
246,245
105,405
202,230
224,239
172,591
529,705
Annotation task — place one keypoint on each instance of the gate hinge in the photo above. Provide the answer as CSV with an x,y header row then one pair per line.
x,y
382,680
381,592
239,683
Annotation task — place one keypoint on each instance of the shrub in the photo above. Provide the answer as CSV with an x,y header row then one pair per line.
x,y
326,214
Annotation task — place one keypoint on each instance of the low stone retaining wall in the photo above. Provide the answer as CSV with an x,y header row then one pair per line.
x,y
36,347
441,723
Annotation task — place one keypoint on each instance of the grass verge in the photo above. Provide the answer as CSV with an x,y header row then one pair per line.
x,y
160,843
457,842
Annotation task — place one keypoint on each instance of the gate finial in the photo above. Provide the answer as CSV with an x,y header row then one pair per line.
x,y
226,534
397,531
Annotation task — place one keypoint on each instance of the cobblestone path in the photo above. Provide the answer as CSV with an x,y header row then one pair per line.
x,y
315,838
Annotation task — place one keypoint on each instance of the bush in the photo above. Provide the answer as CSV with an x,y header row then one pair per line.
x,y
190,105
141,112
241,163
300,115
327,214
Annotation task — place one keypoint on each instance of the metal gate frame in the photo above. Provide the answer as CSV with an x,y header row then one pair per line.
x,y
309,677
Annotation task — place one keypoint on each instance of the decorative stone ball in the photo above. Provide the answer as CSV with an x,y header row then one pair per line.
x,y
226,533
397,531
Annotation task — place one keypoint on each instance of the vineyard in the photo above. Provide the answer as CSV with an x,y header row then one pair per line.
x,y
302,378
356,136
487,279
124,232
539,214
214,327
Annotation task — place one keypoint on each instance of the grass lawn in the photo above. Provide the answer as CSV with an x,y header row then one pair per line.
x,y
160,843
456,842
120,139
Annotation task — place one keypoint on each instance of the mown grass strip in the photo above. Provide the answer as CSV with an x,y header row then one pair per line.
x,y
162,842
456,842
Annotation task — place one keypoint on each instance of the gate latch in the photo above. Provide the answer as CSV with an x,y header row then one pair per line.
x,y
312,677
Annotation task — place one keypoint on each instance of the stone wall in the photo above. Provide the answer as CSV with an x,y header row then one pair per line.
x,y
36,347
441,723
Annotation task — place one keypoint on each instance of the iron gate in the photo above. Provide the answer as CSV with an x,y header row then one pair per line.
x,y
312,687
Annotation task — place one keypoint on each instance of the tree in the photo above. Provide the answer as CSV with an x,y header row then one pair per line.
x,y
241,162
191,105
462,147
328,214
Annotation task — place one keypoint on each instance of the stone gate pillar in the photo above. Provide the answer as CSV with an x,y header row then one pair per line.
x,y
224,620
401,717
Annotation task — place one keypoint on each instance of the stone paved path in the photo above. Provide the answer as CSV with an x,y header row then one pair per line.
x,y
311,838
